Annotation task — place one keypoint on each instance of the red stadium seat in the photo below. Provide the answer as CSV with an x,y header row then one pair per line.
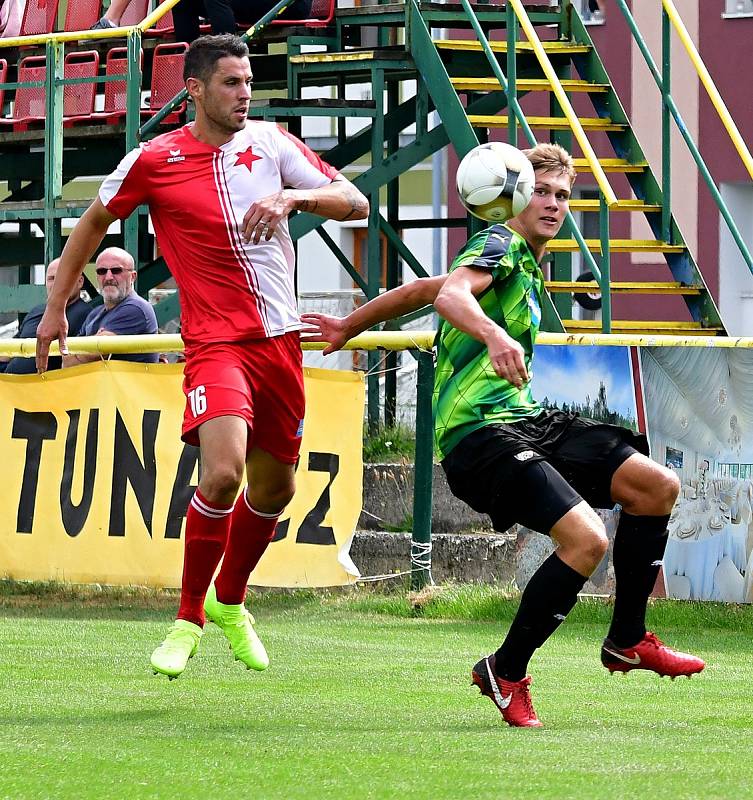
x,y
80,15
29,109
322,13
167,78
29,105
78,98
114,109
39,17
164,26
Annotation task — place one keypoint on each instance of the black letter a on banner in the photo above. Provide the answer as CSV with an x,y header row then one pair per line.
x,y
127,467
74,516
35,427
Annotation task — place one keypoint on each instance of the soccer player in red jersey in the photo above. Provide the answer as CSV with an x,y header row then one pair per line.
x,y
217,191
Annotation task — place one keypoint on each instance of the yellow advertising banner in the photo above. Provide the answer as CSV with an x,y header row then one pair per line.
x,y
96,481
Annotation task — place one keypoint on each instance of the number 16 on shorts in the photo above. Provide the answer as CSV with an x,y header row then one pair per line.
x,y
198,400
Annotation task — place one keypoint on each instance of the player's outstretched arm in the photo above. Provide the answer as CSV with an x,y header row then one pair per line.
x,y
81,244
401,300
339,200
456,302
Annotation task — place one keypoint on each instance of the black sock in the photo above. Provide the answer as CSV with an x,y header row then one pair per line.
x,y
550,594
638,551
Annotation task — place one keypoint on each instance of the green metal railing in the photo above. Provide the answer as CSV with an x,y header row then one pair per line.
x,y
669,108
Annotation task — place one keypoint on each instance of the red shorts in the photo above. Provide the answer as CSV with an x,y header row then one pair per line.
x,y
260,380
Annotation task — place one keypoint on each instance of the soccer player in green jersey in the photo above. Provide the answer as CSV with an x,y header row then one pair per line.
x,y
506,456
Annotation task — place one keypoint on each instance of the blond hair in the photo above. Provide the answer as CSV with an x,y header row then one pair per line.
x,y
549,157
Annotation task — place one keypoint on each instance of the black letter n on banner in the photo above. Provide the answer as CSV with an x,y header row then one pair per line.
x,y
74,516
35,427
127,468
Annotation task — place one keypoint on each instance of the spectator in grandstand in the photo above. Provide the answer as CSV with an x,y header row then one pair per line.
x,y
122,311
222,15
76,311
111,18
218,197
11,17
505,456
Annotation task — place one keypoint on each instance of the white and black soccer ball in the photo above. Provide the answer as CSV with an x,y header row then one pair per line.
x,y
495,181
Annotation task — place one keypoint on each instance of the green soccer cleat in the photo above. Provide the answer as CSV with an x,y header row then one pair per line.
x,y
181,643
237,625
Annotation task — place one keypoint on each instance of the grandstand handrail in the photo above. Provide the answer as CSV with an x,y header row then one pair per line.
x,y
710,86
81,36
682,127
372,340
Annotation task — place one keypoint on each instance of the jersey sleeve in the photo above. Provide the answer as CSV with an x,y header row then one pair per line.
x,y
127,187
300,166
489,251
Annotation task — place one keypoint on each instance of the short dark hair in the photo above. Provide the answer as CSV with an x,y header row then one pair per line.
x,y
206,51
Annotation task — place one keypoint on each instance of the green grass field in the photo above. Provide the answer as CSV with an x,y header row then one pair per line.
x,y
363,699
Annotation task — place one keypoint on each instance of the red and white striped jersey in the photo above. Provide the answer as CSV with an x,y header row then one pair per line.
x,y
197,195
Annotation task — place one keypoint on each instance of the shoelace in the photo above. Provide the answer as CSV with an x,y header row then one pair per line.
x,y
525,695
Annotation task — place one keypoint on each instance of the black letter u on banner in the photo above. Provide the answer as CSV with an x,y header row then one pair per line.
x,y
74,516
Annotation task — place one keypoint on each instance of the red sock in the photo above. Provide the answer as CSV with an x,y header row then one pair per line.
x,y
207,528
250,533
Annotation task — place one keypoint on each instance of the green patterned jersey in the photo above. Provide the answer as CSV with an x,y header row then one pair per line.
x,y
468,393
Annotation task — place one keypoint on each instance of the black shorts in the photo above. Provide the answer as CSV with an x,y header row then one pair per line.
x,y
489,468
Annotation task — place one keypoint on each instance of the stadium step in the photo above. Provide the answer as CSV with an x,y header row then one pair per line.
x,y
626,287
526,85
471,45
611,165
648,327
546,123
616,246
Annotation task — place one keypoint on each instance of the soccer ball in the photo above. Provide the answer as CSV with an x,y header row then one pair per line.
x,y
495,181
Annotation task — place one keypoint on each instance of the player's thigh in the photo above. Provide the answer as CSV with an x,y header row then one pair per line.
x,y
643,487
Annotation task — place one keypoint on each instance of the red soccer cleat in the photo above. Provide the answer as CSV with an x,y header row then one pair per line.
x,y
513,699
650,653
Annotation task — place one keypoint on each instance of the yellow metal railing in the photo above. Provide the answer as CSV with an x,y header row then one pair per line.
x,y
80,36
709,85
373,340
580,135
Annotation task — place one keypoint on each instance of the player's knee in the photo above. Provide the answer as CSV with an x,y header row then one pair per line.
x,y
661,495
271,499
221,484
595,546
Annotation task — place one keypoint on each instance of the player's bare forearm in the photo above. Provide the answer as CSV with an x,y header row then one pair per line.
x,y
81,244
401,300
339,200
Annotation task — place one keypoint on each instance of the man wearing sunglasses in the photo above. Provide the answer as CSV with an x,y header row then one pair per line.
x,y
122,311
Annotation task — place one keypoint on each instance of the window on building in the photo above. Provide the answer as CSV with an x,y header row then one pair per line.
x,y
738,8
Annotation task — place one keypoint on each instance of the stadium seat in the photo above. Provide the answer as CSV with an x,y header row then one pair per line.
x,y
167,79
78,98
29,104
116,63
322,13
135,12
80,15
29,108
39,17
164,26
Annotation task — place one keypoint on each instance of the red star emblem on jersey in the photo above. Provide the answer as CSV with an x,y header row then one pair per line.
x,y
246,158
